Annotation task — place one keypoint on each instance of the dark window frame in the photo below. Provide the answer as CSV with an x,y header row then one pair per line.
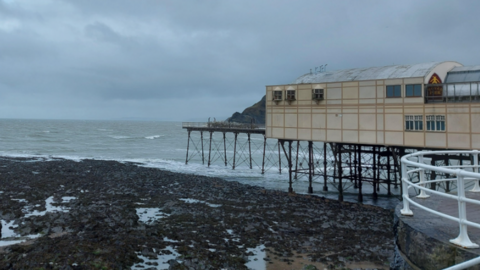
x,y
277,95
291,95
318,94
393,91
414,122
435,123
413,90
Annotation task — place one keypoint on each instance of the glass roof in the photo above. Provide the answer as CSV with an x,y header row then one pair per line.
x,y
463,74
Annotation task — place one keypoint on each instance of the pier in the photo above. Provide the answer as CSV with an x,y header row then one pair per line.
x,y
371,170
216,149
339,166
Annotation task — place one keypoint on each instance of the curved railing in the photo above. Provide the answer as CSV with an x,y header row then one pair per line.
x,y
413,166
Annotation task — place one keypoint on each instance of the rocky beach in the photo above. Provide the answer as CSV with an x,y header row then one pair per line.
x,y
93,214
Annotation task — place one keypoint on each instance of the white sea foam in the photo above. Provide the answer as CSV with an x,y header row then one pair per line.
x,y
153,137
118,137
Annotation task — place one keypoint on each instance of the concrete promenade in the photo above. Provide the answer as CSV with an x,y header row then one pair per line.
x,y
423,239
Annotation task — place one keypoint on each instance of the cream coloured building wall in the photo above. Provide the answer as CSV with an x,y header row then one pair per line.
x,y
360,112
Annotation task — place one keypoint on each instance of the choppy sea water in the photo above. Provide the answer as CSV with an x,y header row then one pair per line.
x,y
156,144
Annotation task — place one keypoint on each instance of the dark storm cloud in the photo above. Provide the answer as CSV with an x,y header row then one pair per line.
x,y
187,59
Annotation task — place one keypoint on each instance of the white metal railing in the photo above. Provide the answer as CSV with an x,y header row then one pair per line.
x,y
412,164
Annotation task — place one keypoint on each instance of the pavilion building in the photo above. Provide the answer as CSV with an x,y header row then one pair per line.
x,y
429,105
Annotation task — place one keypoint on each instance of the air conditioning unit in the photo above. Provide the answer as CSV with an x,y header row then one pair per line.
x,y
277,96
290,96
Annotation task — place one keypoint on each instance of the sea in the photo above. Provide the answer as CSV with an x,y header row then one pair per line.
x,y
162,145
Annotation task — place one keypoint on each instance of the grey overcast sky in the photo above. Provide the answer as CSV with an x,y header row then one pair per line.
x,y
190,60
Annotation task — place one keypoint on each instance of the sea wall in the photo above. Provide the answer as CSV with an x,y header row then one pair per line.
x,y
419,245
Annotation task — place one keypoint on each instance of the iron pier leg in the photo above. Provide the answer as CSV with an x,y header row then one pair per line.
x,y
264,148
388,172
350,162
447,183
340,172
210,148
379,166
402,153
359,153
201,138
188,145
225,148
234,150
310,166
249,150
279,158
296,163
355,167
374,172
325,187
290,165
313,161
395,168
334,149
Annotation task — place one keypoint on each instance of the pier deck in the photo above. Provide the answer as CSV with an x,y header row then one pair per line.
x,y
216,127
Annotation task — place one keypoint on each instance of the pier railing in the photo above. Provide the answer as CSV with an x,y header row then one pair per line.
x,y
413,167
222,125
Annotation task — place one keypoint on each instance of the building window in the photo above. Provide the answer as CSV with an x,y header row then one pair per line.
x,y
418,122
413,122
435,122
290,95
408,122
277,95
413,90
440,121
430,122
317,94
394,91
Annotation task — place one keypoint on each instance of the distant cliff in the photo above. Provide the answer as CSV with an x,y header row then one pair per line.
x,y
256,112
